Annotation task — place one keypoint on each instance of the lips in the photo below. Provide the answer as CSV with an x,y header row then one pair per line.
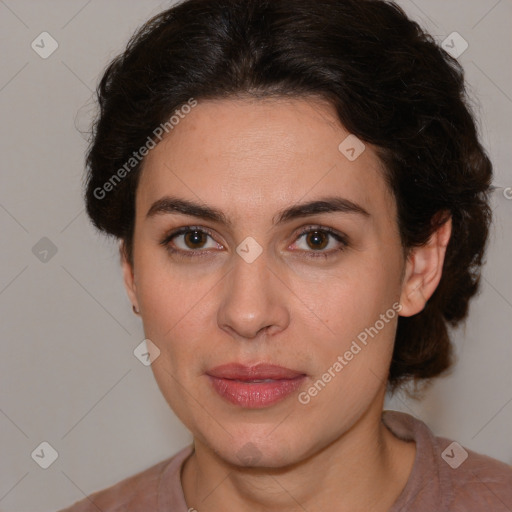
x,y
259,372
254,387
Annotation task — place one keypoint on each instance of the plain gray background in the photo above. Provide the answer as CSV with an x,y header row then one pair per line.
x,y
67,369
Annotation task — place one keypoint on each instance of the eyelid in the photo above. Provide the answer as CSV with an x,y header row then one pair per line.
x,y
326,229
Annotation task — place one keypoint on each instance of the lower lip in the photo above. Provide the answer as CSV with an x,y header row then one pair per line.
x,y
255,395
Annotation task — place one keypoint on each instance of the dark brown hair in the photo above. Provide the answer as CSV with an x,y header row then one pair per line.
x,y
391,85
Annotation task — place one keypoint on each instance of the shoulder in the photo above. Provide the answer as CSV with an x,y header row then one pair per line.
x,y
136,493
477,480
446,475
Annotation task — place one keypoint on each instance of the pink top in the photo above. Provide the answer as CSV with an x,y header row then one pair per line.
x,y
445,478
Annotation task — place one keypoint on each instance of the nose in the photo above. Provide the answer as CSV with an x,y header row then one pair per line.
x,y
254,300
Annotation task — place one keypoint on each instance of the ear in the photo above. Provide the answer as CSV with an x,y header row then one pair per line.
x,y
424,268
128,276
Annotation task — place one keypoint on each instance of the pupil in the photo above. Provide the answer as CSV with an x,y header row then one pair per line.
x,y
195,238
318,238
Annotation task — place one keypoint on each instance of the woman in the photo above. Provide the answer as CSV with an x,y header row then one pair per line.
x,y
301,201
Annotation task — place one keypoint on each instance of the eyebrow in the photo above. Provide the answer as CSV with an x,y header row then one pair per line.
x,y
173,205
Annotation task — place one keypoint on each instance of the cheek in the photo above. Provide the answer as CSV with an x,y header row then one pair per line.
x,y
351,297
173,316
178,314
350,360
348,306
165,293
172,319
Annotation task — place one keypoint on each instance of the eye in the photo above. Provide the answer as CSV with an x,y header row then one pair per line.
x,y
190,241
315,239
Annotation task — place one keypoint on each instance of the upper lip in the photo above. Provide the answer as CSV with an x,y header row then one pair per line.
x,y
259,371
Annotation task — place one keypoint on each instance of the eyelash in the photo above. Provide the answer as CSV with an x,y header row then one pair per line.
x,y
205,253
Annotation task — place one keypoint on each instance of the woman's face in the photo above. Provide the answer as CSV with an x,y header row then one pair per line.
x,y
248,286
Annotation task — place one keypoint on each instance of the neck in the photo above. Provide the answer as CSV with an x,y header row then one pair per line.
x,y
365,468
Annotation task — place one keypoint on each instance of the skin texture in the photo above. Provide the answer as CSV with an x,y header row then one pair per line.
x,y
251,159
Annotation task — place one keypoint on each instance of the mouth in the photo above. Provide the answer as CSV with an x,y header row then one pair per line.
x,y
254,387
257,372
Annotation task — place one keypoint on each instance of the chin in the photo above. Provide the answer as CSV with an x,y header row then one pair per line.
x,y
259,451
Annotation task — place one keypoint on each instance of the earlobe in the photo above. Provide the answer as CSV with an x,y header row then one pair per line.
x,y
424,268
129,278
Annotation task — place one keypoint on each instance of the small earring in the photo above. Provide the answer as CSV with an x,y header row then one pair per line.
x,y
135,310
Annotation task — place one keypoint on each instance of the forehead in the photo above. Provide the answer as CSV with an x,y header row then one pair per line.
x,y
261,155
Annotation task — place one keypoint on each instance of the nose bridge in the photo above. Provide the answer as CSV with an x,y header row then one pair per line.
x,y
252,301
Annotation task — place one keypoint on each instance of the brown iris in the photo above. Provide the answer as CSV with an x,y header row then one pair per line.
x,y
194,238
318,239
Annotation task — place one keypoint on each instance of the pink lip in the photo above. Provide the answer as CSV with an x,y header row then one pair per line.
x,y
257,371
235,383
